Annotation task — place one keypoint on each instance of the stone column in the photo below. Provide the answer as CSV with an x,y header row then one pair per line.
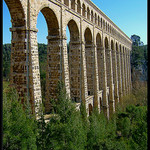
x,y
84,90
69,4
125,71
110,80
54,69
122,70
119,75
76,5
57,68
25,75
96,83
65,66
75,70
19,63
34,75
115,76
89,53
99,61
104,83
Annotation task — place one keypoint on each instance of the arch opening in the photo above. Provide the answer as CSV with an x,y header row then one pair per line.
x,y
112,45
89,61
106,43
88,13
83,10
42,51
74,58
73,4
90,109
92,15
95,18
52,62
78,6
99,59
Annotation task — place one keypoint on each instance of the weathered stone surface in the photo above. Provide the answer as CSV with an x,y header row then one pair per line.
x,y
95,71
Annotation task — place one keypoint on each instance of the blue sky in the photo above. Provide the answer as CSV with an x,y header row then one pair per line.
x,y
129,15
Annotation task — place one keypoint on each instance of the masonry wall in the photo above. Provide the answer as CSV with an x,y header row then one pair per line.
x,y
92,72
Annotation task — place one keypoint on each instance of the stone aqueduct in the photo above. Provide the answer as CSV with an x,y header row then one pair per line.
x,y
97,69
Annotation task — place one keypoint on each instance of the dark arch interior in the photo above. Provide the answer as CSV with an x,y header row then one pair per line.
x,y
106,43
116,47
83,10
90,109
88,36
98,40
78,6
74,62
112,45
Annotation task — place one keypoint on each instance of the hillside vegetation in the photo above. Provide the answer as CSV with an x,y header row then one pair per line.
x,y
69,129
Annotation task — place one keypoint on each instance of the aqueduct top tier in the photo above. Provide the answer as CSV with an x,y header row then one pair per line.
x,y
97,70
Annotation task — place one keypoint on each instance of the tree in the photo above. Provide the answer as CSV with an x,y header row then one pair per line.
x,y
65,129
136,40
19,128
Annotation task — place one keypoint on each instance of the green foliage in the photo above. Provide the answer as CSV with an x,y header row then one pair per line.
x,y
73,130
139,61
19,128
133,126
70,129
6,60
42,48
65,129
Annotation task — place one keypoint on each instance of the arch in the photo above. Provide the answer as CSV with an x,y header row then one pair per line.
x,y
53,64
88,36
90,109
89,61
83,9
73,4
106,26
116,47
106,43
98,21
95,18
78,6
66,2
120,49
74,31
16,12
92,15
101,103
74,61
112,45
51,20
123,49
88,13
99,62
98,40
101,22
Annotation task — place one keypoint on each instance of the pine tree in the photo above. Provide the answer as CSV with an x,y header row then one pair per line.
x,y
65,129
19,128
